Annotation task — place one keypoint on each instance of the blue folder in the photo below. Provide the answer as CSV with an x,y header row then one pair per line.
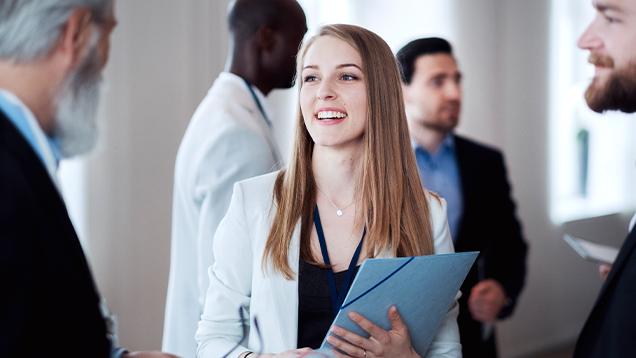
x,y
422,288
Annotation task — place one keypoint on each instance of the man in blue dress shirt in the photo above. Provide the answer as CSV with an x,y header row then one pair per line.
x,y
472,178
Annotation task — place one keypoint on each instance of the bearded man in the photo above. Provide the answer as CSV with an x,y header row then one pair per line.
x,y
52,53
610,38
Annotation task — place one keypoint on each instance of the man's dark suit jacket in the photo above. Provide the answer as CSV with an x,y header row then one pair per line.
x,y
610,330
49,305
489,224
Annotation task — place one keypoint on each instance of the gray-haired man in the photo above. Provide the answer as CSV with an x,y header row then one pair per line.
x,y
52,53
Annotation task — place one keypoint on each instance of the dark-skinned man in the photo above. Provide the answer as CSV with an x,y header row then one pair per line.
x,y
52,53
228,139
472,178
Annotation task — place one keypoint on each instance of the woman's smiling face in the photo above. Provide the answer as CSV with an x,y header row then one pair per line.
x,y
333,96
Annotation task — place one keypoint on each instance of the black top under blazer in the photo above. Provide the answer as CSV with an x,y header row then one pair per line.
x,y
48,302
610,330
488,224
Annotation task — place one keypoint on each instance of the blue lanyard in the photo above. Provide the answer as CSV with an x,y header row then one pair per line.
x,y
258,103
336,299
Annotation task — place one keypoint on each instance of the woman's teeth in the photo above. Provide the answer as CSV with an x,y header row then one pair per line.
x,y
330,115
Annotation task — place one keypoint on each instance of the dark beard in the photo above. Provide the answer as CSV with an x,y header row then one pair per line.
x,y
619,93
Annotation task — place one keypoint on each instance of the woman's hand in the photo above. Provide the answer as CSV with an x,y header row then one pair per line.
x,y
382,343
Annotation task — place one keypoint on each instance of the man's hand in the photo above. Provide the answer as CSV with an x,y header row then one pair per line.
x,y
604,270
486,299
148,354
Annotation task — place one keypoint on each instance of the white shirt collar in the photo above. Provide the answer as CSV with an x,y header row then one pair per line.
x,y
265,103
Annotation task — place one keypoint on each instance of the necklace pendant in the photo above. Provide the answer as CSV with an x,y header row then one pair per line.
x,y
339,212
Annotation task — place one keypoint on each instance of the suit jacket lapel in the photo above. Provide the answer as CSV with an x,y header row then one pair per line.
x,y
628,246
285,296
463,163
41,183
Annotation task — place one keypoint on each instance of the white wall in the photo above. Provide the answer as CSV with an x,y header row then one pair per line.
x,y
166,55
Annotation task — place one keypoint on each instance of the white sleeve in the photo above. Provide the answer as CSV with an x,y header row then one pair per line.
x,y
446,343
220,328
240,154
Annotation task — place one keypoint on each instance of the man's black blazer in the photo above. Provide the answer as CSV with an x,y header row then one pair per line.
x,y
489,224
49,305
610,330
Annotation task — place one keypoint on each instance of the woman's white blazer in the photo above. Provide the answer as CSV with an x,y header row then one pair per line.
x,y
237,280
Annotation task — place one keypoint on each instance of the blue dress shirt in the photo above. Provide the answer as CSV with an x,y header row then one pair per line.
x,y
439,173
17,117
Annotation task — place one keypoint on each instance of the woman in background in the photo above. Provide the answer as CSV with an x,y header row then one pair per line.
x,y
351,187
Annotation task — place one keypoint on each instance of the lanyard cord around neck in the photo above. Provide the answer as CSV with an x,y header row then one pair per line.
x,y
258,103
336,299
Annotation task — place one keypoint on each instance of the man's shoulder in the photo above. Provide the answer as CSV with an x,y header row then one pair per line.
x,y
474,145
15,159
15,188
224,98
228,91
224,113
228,106
466,147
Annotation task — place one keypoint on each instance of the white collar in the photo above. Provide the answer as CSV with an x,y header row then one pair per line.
x,y
43,144
265,103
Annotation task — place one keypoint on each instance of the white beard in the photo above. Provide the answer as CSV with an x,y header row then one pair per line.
x,y
76,119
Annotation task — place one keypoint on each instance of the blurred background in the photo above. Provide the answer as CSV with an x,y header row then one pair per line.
x,y
572,171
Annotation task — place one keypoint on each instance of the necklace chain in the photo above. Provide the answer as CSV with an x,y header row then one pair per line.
x,y
338,211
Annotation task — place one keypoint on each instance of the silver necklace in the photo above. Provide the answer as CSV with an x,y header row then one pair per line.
x,y
338,211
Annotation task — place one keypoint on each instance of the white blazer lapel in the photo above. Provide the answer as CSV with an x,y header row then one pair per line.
x,y
285,296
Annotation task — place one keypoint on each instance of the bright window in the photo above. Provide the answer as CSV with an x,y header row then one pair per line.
x,y
73,186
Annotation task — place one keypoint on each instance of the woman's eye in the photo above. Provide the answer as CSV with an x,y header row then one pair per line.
x,y
309,79
349,77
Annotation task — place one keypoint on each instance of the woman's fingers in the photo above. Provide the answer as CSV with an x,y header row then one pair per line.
x,y
376,332
395,342
352,348
396,321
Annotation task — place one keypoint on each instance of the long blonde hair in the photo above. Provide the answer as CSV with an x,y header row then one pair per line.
x,y
393,202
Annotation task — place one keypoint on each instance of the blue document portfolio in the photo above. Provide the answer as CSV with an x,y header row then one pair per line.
x,y
422,288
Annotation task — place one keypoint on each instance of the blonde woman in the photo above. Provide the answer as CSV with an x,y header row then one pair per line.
x,y
291,242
